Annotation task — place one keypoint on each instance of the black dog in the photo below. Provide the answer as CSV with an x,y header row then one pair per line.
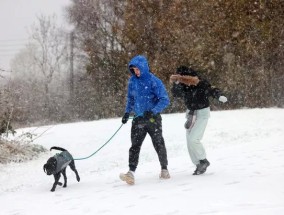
x,y
57,165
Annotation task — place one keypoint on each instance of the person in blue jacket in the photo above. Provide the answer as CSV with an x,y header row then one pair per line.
x,y
146,98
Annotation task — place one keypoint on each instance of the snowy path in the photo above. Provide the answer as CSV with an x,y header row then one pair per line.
x,y
245,148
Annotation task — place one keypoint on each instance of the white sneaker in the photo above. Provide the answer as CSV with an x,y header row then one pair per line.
x,y
128,177
165,174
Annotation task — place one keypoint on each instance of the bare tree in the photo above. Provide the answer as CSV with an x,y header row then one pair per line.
x,y
37,86
26,86
51,46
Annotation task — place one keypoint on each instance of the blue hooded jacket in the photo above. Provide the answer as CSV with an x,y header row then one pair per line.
x,y
147,92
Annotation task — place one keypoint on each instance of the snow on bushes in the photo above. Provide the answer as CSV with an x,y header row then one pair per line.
x,y
14,151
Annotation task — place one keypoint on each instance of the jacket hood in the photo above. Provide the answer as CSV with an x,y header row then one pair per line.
x,y
141,63
184,70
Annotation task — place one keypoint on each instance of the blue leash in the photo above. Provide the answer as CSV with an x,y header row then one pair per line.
x,y
83,158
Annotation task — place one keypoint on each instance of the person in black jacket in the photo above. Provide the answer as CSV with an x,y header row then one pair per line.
x,y
195,91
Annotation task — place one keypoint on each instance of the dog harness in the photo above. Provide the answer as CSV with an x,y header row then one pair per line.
x,y
63,160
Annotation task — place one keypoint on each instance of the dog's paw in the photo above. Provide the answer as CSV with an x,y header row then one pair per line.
x,y
78,178
52,190
59,183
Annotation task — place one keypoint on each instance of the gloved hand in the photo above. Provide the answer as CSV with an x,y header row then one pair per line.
x,y
125,118
189,117
223,99
148,115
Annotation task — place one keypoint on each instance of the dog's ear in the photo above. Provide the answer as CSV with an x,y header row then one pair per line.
x,y
44,168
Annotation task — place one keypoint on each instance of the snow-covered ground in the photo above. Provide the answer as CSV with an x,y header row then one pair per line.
x,y
246,176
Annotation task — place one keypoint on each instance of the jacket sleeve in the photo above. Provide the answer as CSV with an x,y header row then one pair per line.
x,y
162,97
210,90
130,98
177,90
215,92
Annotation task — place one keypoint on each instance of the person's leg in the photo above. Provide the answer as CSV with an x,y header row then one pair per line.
x,y
155,131
194,135
190,149
138,134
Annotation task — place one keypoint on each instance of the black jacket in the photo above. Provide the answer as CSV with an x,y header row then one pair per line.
x,y
196,97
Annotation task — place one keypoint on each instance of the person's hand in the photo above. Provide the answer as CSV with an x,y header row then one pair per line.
x,y
148,115
223,99
189,119
188,122
125,118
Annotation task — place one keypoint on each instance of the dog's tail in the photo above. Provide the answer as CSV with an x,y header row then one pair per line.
x,y
57,148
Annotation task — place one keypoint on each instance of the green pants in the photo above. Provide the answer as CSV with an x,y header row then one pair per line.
x,y
195,133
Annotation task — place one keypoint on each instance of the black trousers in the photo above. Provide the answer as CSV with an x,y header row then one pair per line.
x,y
140,128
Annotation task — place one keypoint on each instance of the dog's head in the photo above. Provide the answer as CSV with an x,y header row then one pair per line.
x,y
50,167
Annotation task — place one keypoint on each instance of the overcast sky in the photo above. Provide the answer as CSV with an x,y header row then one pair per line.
x,y
16,17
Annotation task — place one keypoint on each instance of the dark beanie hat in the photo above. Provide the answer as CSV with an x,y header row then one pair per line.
x,y
184,70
